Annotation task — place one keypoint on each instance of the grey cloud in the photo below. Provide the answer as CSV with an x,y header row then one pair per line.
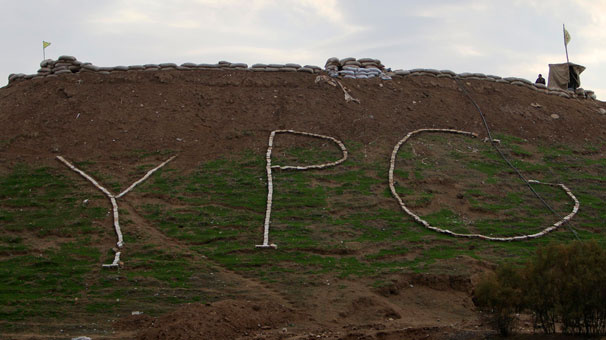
x,y
503,38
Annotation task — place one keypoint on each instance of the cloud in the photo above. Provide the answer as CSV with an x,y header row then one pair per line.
x,y
331,11
468,51
238,18
206,17
255,54
124,16
516,38
202,28
449,10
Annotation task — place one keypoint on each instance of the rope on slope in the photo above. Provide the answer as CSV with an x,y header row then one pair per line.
x,y
527,182
480,236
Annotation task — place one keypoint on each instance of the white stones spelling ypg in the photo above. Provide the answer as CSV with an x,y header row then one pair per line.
x,y
270,185
112,199
270,189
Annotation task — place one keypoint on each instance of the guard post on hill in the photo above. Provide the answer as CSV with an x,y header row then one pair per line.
x,y
565,76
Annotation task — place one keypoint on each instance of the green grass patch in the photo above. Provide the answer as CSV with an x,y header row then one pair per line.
x,y
34,284
338,222
42,203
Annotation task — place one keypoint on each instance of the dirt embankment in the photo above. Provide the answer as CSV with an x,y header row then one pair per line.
x,y
205,114
202,115
412,307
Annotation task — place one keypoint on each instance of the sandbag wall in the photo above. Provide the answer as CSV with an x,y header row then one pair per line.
x,y
352,68
69,64
579,93
65,64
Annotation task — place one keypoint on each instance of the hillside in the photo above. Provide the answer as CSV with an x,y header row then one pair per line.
x,y
350,264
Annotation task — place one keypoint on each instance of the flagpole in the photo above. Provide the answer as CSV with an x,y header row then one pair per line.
x,y
565,44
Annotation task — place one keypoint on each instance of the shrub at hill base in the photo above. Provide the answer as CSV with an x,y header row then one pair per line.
x,y
500,295
563,285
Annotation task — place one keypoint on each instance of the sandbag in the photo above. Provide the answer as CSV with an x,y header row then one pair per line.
x,y
47,62
448,72
313,67
352,62
332,60
91,67
67,58
366,60
342,61
305,69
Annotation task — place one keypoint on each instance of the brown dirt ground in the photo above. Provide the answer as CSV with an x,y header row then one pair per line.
x,y
205,114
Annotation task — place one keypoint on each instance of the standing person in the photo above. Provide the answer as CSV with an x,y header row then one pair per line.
x,y
540,80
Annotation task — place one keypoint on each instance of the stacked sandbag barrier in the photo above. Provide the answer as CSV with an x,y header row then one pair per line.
x,y
348,68
50,67
579,93
353,68
69,65
64,64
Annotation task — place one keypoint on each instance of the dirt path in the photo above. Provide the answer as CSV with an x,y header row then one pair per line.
x,y
243,285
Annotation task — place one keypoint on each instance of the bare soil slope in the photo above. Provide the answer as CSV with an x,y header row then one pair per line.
x,y
205,115
202,114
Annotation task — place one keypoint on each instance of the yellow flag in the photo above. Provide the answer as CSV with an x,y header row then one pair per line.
x,y
45,44
566,37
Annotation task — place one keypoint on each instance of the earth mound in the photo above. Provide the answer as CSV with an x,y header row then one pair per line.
x,y
205,114
227,319
346,250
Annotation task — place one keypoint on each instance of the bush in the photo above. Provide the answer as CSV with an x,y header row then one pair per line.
x,y
499,295
561,284
567,284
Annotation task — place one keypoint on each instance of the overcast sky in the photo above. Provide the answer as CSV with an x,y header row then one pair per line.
x,y
505,38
